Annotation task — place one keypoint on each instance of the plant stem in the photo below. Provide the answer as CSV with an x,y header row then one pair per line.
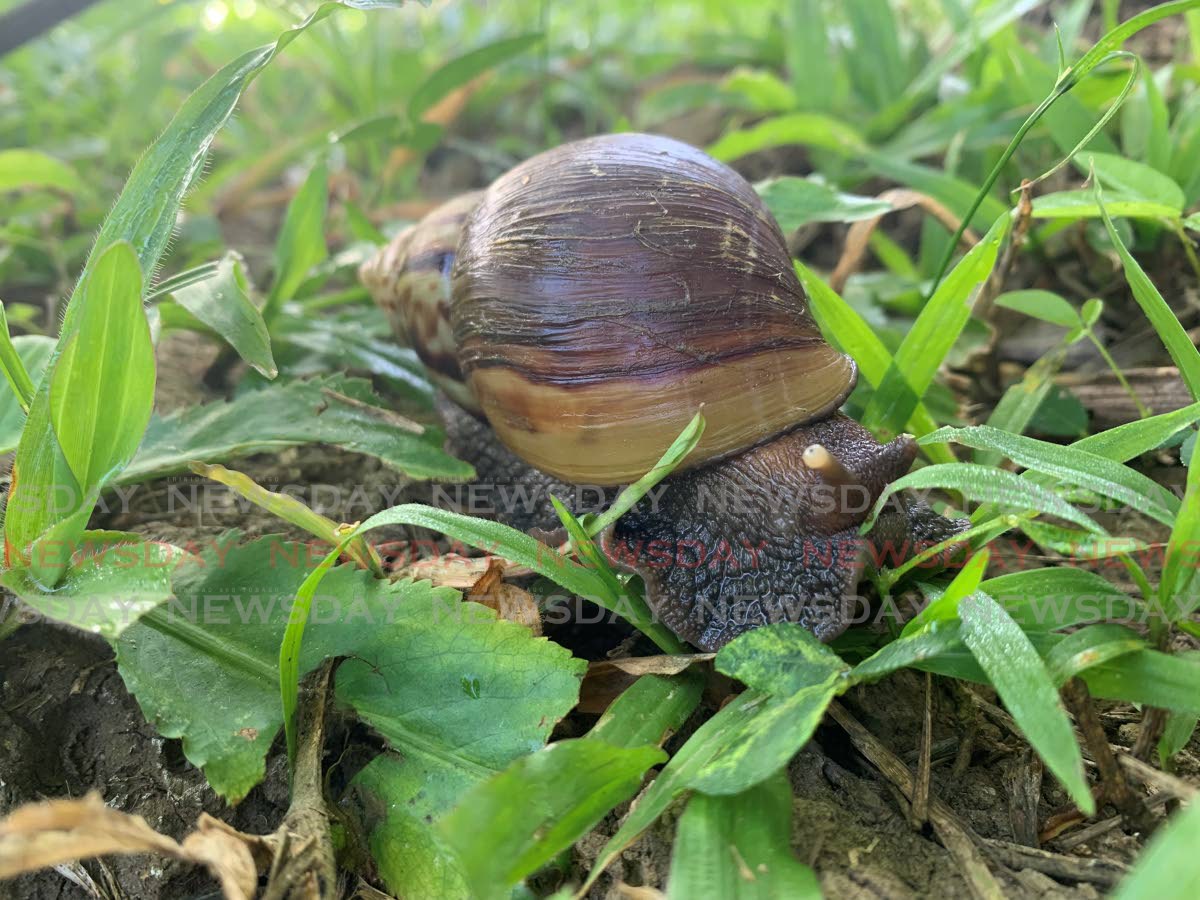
x,y
1143,412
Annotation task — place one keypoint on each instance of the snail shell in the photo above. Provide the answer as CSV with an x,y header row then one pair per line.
x,y
410,280
602,293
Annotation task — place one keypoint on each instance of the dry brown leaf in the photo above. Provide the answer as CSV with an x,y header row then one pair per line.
x,y
54,832
510,602
608,679
860,232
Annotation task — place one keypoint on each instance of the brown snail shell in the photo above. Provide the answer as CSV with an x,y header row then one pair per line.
x,y
410,280
608,289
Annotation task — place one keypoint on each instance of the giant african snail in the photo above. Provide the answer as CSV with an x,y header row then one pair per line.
x,y
585,306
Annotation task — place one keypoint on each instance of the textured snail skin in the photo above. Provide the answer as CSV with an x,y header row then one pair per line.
x,y
606,289
756,539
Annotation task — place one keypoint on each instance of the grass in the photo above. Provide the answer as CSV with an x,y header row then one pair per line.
x,y
1046,151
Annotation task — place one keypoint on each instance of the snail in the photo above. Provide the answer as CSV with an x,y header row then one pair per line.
x,y
583,307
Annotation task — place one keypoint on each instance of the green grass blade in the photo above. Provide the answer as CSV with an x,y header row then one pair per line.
x,y
457,72
14,369
986,484
1078,467
1169,869
933,334
301,243
1166,323
1179,588
1024,684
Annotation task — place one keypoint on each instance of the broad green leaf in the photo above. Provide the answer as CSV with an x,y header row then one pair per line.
x,y
805,129
759,90
946,607
933,334
1045,305
740,848
350,339
779,659
506,828
650,710
106,588
1169,868
458,72
1048,599
1023,683
745,743
204,666
34,351
25,168
144,215
287,415
1179,587
102,384
460,696
795,202
1183,352
301,242
1149,678
1077,467
990,485
1089,647
511,825
222,303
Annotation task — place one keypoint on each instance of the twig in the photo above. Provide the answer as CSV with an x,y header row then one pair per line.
x,y
1113,785
308,871
1084,835
1163,782
1023,778
920,801
1070,869
956,836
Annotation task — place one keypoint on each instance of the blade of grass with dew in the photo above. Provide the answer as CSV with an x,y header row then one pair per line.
x,y
933,334
986,484
945,607
1021,679
1170,330
855,337
1087,470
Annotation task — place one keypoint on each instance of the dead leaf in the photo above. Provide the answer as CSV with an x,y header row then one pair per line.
x,y
510,602
608,679
54,832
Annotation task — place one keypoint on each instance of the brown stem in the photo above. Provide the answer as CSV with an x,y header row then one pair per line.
x,y
305,865
1114,787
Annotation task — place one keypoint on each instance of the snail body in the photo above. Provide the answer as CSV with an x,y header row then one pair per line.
x,y
585,306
